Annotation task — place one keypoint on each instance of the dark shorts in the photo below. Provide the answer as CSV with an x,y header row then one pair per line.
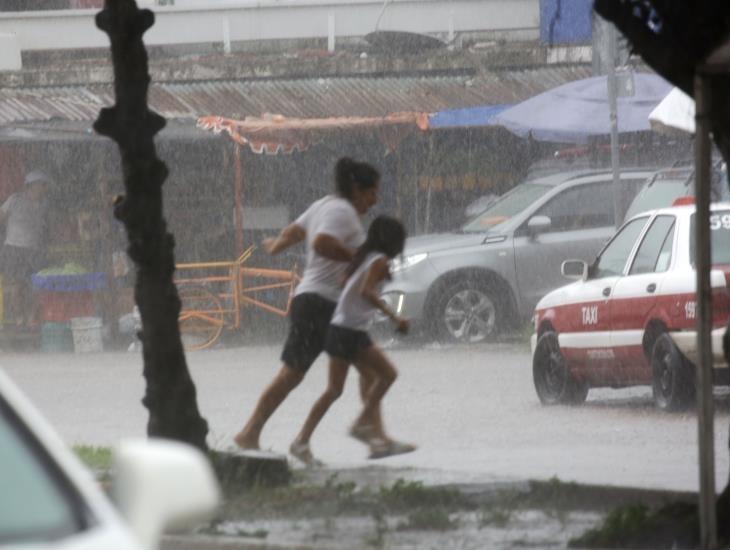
x,y
346,343
309,318
17,264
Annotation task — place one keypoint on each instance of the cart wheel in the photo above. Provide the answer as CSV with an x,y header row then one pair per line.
x,y
201,317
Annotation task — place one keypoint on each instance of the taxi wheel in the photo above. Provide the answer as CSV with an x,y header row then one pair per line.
x,y
673,383
466,312
554,383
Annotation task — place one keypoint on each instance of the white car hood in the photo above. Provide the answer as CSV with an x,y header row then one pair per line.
x,y
441,241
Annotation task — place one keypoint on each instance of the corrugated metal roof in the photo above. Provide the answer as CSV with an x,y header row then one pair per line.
x,y
302,98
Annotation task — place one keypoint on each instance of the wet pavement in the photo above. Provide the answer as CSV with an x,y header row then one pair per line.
x,y
472,411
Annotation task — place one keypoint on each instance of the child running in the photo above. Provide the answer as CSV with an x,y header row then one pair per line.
x,y
348,342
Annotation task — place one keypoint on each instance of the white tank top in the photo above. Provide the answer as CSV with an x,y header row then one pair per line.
x,y
353,311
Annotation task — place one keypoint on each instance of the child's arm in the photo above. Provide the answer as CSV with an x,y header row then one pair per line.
x,y
378,272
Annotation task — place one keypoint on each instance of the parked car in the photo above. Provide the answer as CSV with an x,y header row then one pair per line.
x,y
466,286
630,318
667,185
50,500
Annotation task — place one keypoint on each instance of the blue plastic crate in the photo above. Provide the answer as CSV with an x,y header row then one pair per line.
x,y
70,283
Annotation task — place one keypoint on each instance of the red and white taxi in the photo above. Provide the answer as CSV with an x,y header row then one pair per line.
x,y
630,318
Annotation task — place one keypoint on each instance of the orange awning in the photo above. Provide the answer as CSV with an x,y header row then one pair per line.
x,y
273,134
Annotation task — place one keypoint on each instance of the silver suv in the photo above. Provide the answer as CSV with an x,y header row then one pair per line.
x,y
669,184
468,285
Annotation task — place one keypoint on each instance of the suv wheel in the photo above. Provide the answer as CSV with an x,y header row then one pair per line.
x,y
553,382
466,312
673,383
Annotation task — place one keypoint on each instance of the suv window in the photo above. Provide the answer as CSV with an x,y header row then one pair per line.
x,y
659,192
581,207
613,258
662,189
511,203
655,251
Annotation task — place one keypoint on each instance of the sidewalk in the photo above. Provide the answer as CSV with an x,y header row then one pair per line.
x,y
381,507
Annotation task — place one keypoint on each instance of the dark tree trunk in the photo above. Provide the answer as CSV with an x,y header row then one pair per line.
x,y
674,37
170,393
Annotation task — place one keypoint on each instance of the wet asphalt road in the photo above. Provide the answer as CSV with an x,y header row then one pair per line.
x,y
472,411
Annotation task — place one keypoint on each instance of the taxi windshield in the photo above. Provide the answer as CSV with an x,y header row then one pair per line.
x,y
511,203
719,237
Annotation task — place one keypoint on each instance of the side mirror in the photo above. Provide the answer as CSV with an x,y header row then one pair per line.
x,y
161,484
574,269
538,224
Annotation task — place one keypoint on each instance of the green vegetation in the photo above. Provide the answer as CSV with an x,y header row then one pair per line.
x,y
493,516
409,494
429,519
257,534
637,526
96,458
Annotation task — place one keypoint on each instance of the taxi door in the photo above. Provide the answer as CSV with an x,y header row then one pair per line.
x,y
596,351
635,296
583,324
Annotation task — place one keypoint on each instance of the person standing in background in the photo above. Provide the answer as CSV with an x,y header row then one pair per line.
x,y
23,253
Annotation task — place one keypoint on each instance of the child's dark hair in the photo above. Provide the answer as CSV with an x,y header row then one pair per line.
x,y
351,173
386,235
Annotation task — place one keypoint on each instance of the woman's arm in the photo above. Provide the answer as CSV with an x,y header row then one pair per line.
x,y
289,236
378,272
332,248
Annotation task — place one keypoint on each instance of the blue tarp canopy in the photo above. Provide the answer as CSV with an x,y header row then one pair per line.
x,y
469,116
578,110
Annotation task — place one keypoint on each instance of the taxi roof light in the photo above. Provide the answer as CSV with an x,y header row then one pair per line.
x,y
683,201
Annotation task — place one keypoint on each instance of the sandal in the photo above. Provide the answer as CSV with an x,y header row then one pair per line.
x,y
363,433
303,453
383,449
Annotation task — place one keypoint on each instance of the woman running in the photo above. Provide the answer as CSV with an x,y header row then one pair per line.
x,y
348,342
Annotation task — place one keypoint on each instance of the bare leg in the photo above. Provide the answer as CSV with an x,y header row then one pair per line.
x,y
285,381
368,378
337,375
374,360
13,305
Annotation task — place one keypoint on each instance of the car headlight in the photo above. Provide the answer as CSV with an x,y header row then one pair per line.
x,y
399,264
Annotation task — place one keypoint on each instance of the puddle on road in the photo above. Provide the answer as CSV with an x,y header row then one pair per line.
x,y
475,529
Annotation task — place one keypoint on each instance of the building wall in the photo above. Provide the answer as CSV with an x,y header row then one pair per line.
x,y
224,21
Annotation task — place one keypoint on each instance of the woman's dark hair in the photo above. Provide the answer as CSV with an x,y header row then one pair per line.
x,y
386,235
351,173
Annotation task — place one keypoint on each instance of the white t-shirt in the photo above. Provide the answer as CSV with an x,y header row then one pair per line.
x,y
334,216
26,219
353,311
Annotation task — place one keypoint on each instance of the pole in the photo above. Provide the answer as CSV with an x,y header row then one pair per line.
x,y
238,199
705,404
613,109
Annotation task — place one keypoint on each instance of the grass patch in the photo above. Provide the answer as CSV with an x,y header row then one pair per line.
x,y
335,498
493,516
429,519
381,528
409,494
96,458
257,534
637,526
